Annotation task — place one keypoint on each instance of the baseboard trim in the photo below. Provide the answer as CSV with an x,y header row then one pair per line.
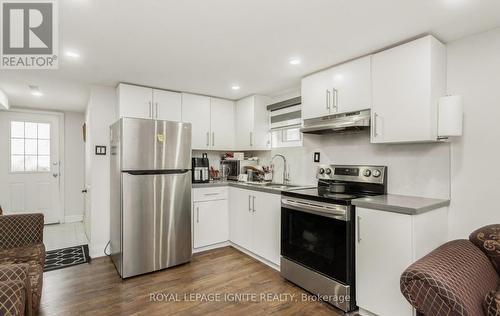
x,y
73,218
256,257
210,247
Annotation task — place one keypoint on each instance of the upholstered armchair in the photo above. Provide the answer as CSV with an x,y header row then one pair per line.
x,y
22,249
460,277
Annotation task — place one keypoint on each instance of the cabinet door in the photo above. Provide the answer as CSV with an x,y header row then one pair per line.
x,y
222,124
167,105
241,217
211,223
407,82
383,251
135,101
351,84
261,134
317,95
267,224
196,110
244,124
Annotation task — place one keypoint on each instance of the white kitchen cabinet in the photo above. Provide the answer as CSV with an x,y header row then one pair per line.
x,y
255,222
210,223
167,105
196,110
386,244
407,82
134,101
340,89
210,216
241,217
222,124
252,124
267,226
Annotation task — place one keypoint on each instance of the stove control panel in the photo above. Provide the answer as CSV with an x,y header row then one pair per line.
x,y
368,174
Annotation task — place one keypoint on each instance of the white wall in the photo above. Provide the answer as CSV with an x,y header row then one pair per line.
x,y
474,73
100,115
74,156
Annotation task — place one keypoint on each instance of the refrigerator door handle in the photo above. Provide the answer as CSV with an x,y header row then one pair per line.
x,y
155,172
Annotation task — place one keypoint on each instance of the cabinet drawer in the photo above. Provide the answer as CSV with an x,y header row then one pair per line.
x,y
210,194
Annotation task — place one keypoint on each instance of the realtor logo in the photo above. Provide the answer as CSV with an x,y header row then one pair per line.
x,y
29,34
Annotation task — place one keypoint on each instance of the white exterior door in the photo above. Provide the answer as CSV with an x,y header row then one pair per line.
x,y
30,165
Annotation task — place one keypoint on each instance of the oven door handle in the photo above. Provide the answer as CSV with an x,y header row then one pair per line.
x,y
334,212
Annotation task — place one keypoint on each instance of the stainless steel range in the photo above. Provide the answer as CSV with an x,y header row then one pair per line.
x,y
317,231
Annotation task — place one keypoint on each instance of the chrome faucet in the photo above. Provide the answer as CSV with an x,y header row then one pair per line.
x,y
286,175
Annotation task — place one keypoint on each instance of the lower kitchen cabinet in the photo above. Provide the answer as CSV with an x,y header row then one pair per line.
x,y
386,244
254,221
210,217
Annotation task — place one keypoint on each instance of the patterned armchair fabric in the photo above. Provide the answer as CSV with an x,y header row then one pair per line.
x,y
21,242
488,240
454,279
10,298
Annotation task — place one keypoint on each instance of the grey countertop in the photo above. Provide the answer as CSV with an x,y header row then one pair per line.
x,y
251,186
404,204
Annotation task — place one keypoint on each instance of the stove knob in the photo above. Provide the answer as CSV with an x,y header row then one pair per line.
x,y
367,173
376,173
328,171
321,171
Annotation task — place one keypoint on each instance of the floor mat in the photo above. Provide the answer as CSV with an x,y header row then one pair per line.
x,y
66,257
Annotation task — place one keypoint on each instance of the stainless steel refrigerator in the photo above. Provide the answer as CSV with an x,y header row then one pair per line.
x,y
150,195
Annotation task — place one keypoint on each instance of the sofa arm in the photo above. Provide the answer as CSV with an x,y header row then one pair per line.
x,y
487,239
451,280
20,230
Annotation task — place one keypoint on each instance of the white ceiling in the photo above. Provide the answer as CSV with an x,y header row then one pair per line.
x,y
205,46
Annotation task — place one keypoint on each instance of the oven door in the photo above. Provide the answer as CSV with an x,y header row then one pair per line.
x,y
318,236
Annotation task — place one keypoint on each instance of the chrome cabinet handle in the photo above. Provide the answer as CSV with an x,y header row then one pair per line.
x,y
208,139
249,203
197,214
251,138
150,109
253,204
213,138
156,114
359,229
335,99
328,99
375,129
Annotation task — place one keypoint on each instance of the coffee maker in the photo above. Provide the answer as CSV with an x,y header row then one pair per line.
x,y
200,169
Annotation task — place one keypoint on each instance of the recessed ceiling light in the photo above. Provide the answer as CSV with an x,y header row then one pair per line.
x,y
72,54
35,90
235,87
294,61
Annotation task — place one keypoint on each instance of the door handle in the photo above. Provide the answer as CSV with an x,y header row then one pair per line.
x,y
359,229
327,99
197,214
253,204
249,203
375,130
55,175
335,99
208,139
213,138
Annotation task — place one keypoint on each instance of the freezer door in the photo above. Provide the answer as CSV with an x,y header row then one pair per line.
x,y
173,219
156,221
155,145
138,222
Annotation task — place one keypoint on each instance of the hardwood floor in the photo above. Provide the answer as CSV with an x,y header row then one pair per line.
x,y
96,289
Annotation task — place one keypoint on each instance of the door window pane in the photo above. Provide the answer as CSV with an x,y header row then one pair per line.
x,y
29,147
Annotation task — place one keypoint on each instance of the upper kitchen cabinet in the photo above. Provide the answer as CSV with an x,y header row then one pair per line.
x,y
340,89
134,101
196,110
167,105
147,103
222,124
407,82
252,124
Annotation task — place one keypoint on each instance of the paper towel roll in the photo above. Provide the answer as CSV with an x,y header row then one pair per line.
x,y
450,116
